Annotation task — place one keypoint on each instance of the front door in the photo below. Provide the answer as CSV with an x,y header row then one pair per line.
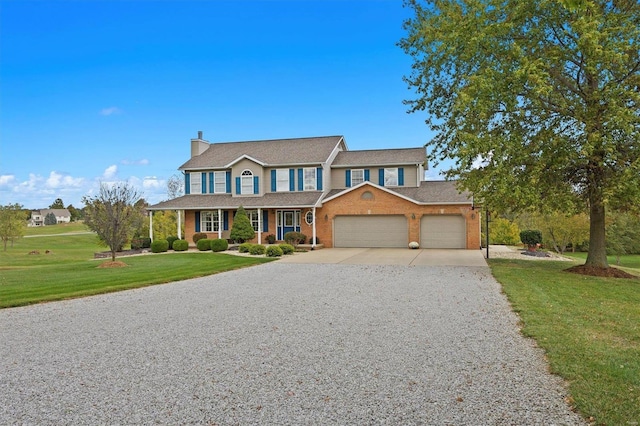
x,y
287,221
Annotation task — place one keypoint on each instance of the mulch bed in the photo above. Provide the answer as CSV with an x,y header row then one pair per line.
x,y
112,264
599,272
107,254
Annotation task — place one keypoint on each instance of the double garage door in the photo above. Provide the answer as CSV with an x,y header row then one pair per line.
x,y
436,231
370,231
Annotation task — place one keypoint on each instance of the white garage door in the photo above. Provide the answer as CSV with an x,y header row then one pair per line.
x,y
443,231
370,231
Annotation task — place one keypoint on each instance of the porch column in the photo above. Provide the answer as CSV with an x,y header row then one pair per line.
x,y
219,223
179,224
259,225
151,224
313,242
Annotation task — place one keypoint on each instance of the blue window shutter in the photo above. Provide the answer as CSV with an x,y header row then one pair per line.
x,y
381,177
265,220
256,185
225,220
197,221
203,177
400,176
187,183
292,178
367,176
210,182
347,178
300,180
319,178
238,185
273,181
228,182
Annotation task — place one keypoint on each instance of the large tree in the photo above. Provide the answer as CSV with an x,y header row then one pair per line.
x,y
536,102
113,214
57,204
13,223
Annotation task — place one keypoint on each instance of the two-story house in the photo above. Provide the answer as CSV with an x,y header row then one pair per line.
x,y
317,186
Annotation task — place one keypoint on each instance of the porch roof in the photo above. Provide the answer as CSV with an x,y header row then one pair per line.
x,y
227,201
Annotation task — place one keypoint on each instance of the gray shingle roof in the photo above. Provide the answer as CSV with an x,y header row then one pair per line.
x,y
314,150
429,192
225,201
378,157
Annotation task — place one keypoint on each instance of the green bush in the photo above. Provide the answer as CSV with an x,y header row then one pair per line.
x,y
199,236
503,231
257,249
271,239
242,229
171,239
244,247
219,244
159,246
531,237
287,248
146,242
274,251
181,245
295,238
204,244
136,243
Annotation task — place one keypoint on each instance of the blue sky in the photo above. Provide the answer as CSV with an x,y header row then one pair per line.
x,y
112,90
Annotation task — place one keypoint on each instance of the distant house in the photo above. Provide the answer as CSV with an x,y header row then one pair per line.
x,y
38,216
317,186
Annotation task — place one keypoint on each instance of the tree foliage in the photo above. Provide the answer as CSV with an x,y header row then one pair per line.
x,y
536,102
50,219
57,204
623,233
242,230
13,223
503,231
114,215
175,186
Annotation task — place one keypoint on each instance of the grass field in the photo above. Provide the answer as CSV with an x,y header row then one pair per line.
x,y
626,261
589,328
68,270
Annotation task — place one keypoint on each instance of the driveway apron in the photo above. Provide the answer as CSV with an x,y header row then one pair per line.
x,y
282,343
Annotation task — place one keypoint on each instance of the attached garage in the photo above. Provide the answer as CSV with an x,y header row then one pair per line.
x,y
443,231
370,231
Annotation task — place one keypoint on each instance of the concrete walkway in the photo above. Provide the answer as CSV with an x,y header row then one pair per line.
x,y
390,256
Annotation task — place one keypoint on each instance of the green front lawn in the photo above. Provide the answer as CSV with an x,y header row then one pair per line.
x,y
626,260
589,328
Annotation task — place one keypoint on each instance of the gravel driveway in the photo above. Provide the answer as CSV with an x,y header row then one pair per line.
x,y
281,344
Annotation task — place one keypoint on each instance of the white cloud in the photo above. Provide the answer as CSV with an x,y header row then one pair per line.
x,y
151,182
481,161
110,111
59,180
7,179
142,162
110,172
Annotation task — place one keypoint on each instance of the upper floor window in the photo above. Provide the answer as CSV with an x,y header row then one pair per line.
x,y
246,182
195,183
220,182
357,177
391,177
310,179
282,180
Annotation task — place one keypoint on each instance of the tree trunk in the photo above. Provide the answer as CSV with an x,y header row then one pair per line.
x,y
597,243
113,255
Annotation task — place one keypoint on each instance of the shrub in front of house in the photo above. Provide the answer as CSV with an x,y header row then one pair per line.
x,y
242,229
204,244
287,248
274,251
244,247
257,249
146,242
159,246
219,244
531,238
199,236
171,239
295,238
180,245
271,239
136,243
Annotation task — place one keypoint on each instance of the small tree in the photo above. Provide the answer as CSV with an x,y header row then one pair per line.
x,y
242,230
531,238
112,215
12,223
57,204
503,231
50,219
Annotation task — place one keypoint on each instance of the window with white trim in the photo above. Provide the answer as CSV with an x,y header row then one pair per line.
x,y
357,176
309,174
209,221
196,182
254,219
308,217
391,177
246,182
282,180
220,182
